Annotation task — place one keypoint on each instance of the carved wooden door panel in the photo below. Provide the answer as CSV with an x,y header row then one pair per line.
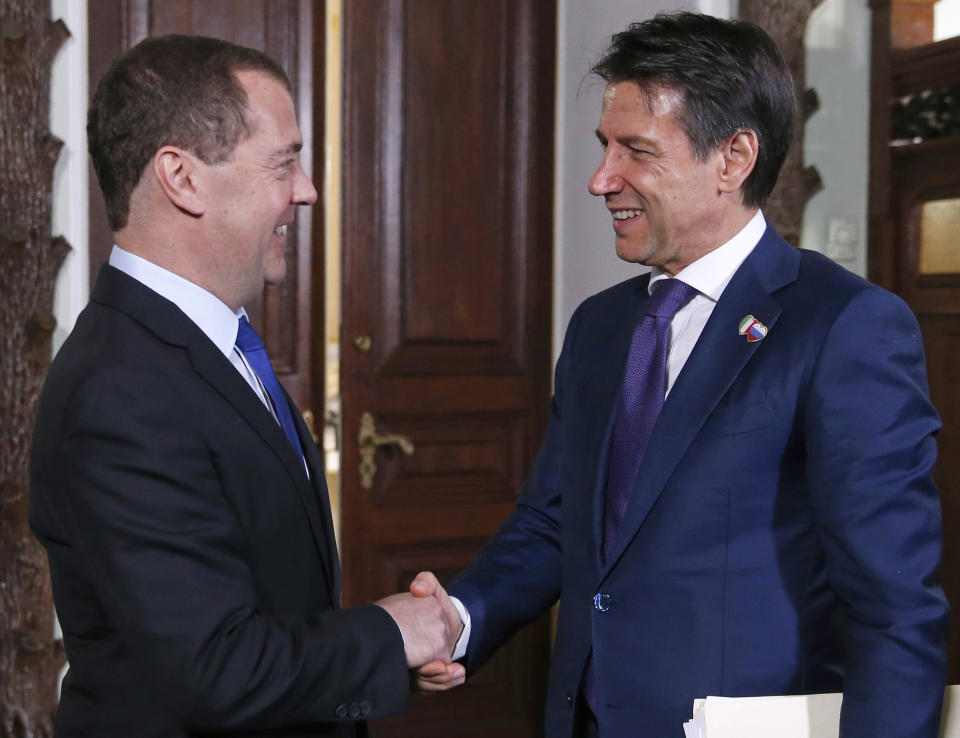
x,y
289,315
447,191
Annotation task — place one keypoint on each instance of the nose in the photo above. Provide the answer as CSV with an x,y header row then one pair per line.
x,y
304,193
605,180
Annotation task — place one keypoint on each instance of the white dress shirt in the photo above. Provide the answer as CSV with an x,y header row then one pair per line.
x,y
217,321
709,275
212,316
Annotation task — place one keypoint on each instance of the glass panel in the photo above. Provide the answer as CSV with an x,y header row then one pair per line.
x,y
946,19
940,237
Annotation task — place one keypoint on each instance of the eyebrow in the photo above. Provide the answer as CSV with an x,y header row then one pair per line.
x,y
627,140
291,148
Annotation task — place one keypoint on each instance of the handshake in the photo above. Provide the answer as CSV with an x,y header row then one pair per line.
x,y
430,626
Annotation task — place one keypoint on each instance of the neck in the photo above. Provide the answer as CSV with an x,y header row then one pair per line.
x,y
731,222
170,250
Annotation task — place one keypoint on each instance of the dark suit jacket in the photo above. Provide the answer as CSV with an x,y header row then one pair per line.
x,y
194,564
783,534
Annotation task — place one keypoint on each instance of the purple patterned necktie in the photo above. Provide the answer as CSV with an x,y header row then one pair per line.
x,y
641,398
253,349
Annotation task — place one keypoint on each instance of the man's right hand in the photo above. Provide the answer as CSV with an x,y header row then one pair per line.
x,y
430,625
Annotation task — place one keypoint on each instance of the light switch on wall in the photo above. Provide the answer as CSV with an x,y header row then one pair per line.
x,y
841,239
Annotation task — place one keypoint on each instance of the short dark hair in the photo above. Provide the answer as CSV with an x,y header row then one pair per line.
x,y
731,77
168,90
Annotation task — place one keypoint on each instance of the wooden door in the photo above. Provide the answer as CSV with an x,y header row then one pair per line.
x,y
447,192
290,314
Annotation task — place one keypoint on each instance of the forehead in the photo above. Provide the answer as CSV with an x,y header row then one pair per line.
x,y
627,103
270,110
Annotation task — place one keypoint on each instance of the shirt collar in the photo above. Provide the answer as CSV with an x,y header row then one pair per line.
x,y
711,273
212,316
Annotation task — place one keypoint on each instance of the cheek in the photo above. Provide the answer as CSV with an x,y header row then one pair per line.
x,y
282,193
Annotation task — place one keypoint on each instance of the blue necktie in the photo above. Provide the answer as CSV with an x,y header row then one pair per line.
x,y
252,347
641,398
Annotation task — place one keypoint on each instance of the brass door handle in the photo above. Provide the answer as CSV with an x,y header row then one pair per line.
x,y
311,424
369,440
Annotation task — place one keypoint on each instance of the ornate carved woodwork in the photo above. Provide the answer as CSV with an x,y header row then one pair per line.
x,y
30,259
786,21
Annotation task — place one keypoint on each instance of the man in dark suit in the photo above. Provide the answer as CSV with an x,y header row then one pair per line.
x,y
178,494
734,493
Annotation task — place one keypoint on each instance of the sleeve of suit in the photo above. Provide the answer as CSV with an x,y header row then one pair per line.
x,y
167,553
517,575
870,443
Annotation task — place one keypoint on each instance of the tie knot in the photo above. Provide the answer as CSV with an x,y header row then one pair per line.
x,y
247,338
668,296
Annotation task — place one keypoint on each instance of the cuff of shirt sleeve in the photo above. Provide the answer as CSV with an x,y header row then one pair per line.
x,y
460,650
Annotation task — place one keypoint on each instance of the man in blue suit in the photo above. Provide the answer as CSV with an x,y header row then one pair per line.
x,y
780,533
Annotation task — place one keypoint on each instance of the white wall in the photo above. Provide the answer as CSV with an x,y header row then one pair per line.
x,y
68,111
68,114
836,138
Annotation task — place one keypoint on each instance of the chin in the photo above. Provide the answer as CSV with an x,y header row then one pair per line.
x,y
632,256
275,276
276,270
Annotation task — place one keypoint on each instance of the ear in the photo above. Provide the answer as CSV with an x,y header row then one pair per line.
x,y
176,171
738,157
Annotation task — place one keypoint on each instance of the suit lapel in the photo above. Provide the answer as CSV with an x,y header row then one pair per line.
x,y
719,356
173,327
325,521
223,378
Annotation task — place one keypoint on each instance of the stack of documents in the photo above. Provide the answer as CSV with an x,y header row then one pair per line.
x,y
799,716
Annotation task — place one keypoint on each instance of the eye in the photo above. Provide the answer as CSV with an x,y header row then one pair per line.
x,y
285,167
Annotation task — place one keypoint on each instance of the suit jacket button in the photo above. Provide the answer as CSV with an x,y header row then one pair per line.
x,y
354,710
601,602
342,711
570,700
365,708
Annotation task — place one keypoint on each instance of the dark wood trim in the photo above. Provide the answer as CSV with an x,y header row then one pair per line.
x,y
925,67
316,299
106,21
881,263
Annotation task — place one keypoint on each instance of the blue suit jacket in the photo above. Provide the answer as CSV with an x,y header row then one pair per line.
x,y
783,534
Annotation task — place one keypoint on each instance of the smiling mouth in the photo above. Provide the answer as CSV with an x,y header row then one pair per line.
x,y
625,214
280,230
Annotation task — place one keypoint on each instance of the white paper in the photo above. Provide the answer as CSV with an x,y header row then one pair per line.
x,y
796,716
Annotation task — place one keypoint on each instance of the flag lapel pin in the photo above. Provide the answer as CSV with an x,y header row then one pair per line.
x,y
752,328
